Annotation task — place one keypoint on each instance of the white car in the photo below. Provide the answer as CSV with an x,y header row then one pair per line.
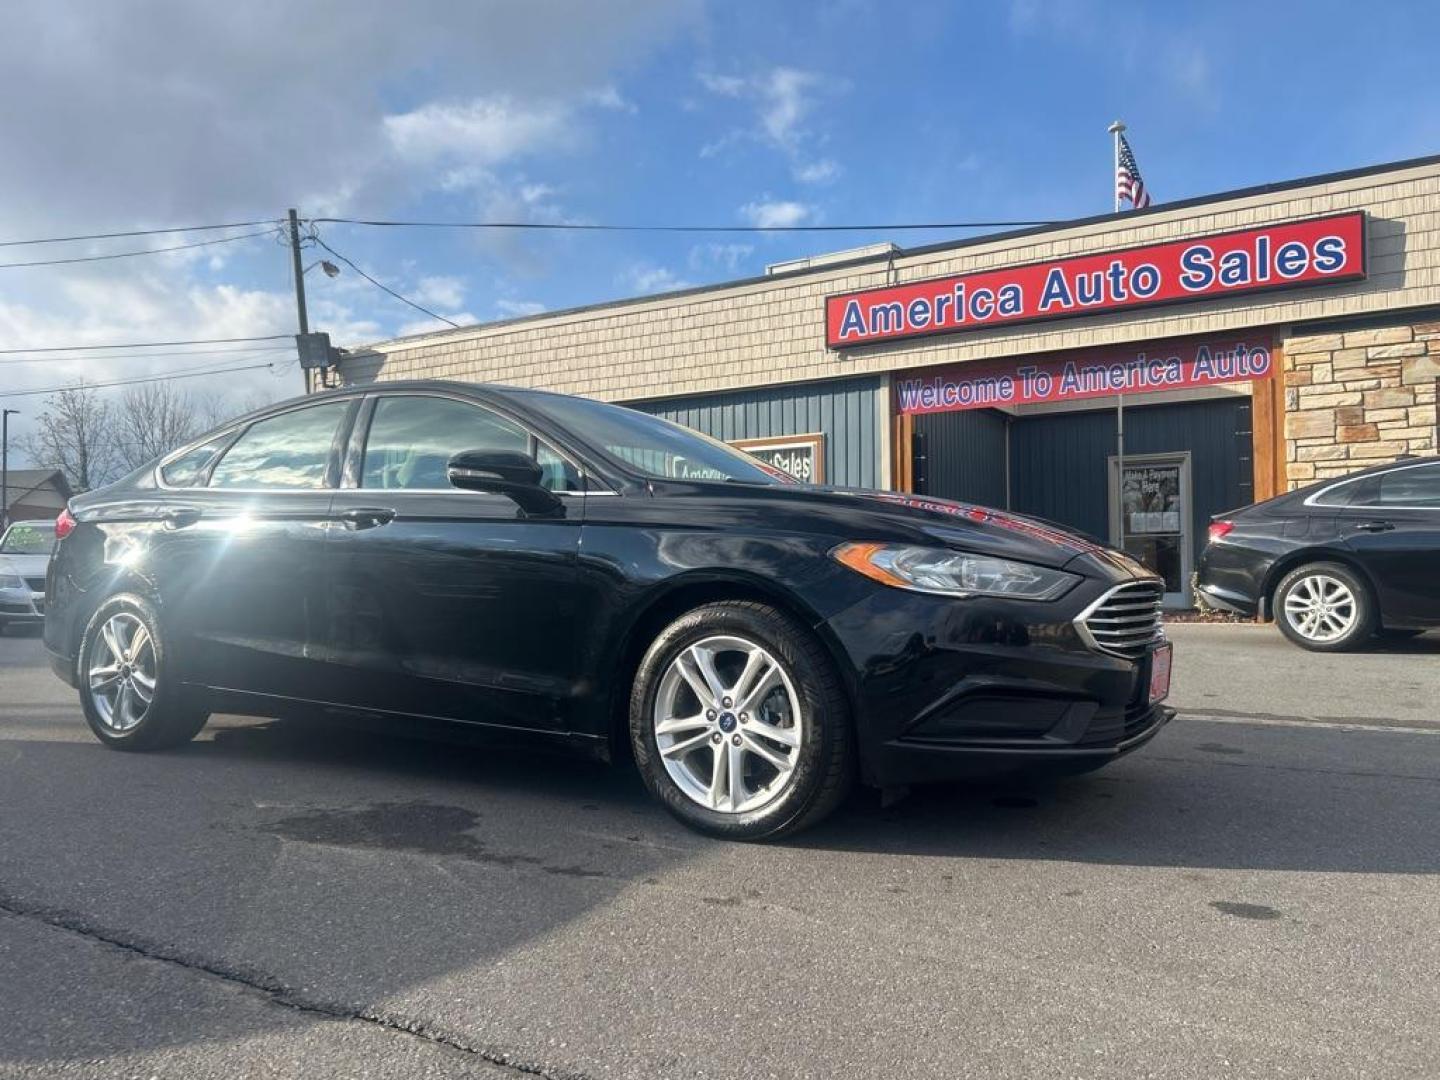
x,y
24,557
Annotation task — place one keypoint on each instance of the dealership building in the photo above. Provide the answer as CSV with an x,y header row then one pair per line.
x,y
1128,375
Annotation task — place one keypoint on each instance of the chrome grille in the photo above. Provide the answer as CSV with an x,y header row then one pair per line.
x,y
1125,621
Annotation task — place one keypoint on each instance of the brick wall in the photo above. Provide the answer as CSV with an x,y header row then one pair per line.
x,y
1358,399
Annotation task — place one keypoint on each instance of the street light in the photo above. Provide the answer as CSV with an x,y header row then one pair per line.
x,y
327,267
5,415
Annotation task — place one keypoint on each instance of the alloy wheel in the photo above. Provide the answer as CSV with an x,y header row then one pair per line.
x,y
728,724
1321,608
121,679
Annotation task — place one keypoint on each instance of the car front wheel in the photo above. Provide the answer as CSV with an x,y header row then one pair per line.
x,y
739,724
1325,607
131,698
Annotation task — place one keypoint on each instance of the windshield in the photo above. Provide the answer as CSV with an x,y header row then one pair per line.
x,y
654,446
28,538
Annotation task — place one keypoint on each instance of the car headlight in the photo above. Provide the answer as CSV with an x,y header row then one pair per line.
x,y
953,573
11,581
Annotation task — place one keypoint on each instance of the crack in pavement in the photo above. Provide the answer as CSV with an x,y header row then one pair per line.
x,y
273,989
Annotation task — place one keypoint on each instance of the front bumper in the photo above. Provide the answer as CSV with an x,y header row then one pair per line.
x,y
906,761
950,689
21,605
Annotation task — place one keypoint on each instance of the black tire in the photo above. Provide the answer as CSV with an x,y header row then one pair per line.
x,y
172,716
1293,590
824,763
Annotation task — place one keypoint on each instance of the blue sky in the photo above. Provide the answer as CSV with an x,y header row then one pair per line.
x,y
639,111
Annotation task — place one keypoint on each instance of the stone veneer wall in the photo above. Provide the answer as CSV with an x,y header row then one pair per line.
x,y
1359,398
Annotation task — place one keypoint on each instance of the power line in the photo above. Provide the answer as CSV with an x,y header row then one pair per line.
x,y
182,374
580,227
242,354
139,232
130,254
379,285
147,344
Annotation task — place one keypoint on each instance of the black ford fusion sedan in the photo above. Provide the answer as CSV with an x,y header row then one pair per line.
x,y
1335,562
591,576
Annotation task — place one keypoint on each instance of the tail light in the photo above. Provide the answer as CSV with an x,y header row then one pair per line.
x,y
64,524
1220,529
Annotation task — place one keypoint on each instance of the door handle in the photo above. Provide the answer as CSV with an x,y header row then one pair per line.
x,y
180,517
367,517
1375,526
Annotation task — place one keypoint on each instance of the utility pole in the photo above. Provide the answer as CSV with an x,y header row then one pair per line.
x,y
299,285
5,415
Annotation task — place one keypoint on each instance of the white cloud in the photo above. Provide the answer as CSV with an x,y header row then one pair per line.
x,y
607,97
430,326
776,213
729,257
645,278
783,99
823,171
786,99
724,85
518,309
443,292
484,132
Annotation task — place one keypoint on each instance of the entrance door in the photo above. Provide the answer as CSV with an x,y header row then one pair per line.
x,y
1150,518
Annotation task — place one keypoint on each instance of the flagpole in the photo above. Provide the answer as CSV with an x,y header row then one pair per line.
x,y
1115,129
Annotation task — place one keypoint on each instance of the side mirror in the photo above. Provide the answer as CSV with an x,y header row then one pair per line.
x,y
504,472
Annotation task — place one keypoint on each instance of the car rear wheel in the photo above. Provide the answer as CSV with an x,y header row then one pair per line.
x,y
739,723
131,697
1324,607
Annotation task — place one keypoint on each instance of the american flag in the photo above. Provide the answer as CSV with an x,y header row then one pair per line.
x,y
1128,184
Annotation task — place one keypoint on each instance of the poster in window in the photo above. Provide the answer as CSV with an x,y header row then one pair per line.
x,y
801,456
1152,499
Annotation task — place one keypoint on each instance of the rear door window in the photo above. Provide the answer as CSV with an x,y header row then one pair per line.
x,y
1415,487
184,470
291,450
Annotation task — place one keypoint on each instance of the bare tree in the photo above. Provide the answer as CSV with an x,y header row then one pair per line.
x,y
216,408
152,419
75,433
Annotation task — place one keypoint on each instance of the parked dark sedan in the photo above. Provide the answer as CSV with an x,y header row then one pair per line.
x,y
521,561
1335,562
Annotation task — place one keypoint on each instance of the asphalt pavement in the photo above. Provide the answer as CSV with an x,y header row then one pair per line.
x,y
1255,894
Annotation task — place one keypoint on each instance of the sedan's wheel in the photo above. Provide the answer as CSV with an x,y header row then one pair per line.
x,y
121,679
130,699
739,724
1324,607
727,724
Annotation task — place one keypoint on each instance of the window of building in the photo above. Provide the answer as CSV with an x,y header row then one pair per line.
x,y
291,450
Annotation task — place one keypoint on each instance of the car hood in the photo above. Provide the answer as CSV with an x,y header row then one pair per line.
x,y
897,517
1029,539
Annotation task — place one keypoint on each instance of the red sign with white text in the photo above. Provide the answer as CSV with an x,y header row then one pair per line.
x,y
1316,251
1130,369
